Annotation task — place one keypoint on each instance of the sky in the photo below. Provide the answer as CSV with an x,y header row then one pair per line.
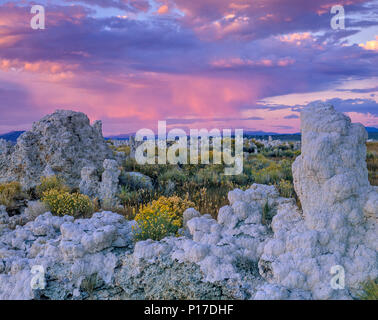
x,y
246,64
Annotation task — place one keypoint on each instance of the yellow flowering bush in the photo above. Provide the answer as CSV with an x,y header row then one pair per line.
x,y
49,183
9,193
161,218
65,203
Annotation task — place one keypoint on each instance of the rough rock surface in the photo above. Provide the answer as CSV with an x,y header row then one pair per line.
x,y
107,188
338,226
110,180
216,259
61,143
90,181
136,180
235,256
72,254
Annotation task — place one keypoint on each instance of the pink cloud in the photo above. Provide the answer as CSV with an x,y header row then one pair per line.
x,y
370,45
239,62
250,18
146,98
163,9
296,38
132,73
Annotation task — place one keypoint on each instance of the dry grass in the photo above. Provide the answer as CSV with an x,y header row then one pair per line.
x,y
206,186
372,146
372,162
369,290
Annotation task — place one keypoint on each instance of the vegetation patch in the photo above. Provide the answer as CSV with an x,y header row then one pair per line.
x,y
11,195
372,162
161,218
65,203
369,290
206,185
49,183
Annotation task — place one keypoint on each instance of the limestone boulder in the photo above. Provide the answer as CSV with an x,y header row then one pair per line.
x,y
337,229
61,143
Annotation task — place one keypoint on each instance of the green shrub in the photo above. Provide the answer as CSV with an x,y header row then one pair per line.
x,y
285,168
286,188
174,174
370,155
125,149
268,175
126,195
267,214
205,185
132,197
370,290
49,183
64,203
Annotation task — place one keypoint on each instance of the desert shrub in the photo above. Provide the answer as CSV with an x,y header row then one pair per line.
x,y
372,162
287,153
268,175
267,171
151,170
133,197
134,181
114,205
49,183
174,174
126,195
285,168
210,175
96,205
370,155
125,149
259,162
161,218
205,185
369,290
267,214
286,188
10,193
240,179
109,204
65,203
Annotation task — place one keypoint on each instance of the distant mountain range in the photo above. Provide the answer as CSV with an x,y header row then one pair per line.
x,y
249,133
371,129
120,136
373,134
11,136
262,134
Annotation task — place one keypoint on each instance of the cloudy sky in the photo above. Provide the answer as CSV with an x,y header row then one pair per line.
x,y
250,64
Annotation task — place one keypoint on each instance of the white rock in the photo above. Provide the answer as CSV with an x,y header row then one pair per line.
x,y
339,205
